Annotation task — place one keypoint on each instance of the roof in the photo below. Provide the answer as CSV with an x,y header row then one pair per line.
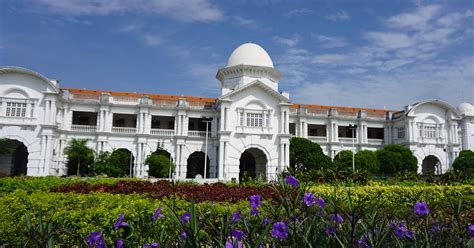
x,y
249,54
204,100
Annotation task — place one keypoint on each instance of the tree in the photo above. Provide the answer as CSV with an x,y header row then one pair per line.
x,y
119,162
159,165
343,160
465,163
79,156
367,160
306,155
104,164
394,158
4,149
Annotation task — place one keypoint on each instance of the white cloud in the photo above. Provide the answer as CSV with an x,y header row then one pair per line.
x,y
329,41
183,10
288,41
339,16
389,40
130,28
297,12
153,39
415,20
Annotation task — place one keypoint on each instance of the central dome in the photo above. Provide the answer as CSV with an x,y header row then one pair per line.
x,y
249,54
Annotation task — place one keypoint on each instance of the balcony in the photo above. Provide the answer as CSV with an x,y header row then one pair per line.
x,y
318,139
162,132
84,128
378,142
124,130
347,140
192,133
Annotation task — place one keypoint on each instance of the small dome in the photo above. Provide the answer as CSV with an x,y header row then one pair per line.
x,y
466,109
249,54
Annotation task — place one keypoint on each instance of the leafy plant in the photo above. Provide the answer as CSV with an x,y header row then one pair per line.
x,y
79,155
395,157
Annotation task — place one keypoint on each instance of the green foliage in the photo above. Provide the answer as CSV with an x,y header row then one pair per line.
x,y
364,209
394,158
343,160
115,164
159,165
3,147
306,155
367,160
79,155
465,163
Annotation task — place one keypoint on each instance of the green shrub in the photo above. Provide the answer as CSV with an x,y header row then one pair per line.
x,y
106,164
394,158
465,163
343,160
159,165
306,155
367,160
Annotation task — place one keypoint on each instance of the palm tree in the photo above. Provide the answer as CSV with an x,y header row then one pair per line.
x,y
78,149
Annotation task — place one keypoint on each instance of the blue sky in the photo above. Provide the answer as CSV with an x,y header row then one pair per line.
x,y
382,54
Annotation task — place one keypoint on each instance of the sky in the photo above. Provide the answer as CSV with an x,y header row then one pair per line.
x,y
376,54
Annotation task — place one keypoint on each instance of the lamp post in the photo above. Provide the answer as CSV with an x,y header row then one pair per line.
x,y
205,146
353,128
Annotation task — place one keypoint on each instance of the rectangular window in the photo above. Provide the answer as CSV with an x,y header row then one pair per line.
x,y
254,120
430,132
401,132
15,109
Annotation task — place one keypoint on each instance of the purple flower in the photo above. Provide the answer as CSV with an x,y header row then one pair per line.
x,y
321,202
254,212
185,218
239,235
265,221
337,218
255,201
232,243
435,228
402,231
291,180
157,214
120,222
152,245
279,231
119,243
330,231
309,199
236,216
363,242
183,235
421,208
96,239
471,230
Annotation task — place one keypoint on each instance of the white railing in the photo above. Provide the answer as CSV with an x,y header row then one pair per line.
x,y
162,132
192,133
125,99
126,130
84,128
347,140
375,141
320,139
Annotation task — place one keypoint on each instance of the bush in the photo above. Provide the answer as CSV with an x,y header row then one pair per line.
x,y
306,155
106,164
394,158
367,160
465,163
343,160
79,157
346,216
159,165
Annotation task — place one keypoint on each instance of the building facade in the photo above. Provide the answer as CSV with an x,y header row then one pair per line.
x,y
245,130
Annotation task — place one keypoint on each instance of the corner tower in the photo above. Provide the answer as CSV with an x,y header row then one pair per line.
x,y
247,63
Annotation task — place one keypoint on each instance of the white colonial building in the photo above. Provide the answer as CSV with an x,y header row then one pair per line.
x,y
248,126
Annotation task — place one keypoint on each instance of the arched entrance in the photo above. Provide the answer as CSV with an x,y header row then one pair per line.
x,y
253,164
123,160
159,163
13,158
195,165
431,165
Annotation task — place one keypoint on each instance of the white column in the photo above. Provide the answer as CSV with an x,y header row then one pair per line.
x,y
47,164
225,119
222,119
52,119
281,121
